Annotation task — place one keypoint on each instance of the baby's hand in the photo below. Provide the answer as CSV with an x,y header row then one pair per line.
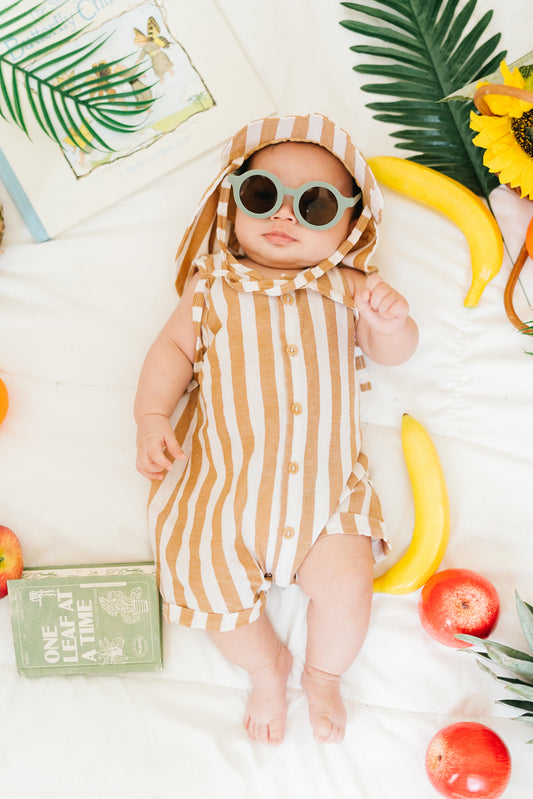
x,y
154,434
383,308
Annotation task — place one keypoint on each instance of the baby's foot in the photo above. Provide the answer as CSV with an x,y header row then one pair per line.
x,y
327,713
266,712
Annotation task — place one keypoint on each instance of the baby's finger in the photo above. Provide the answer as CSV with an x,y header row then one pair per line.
x,y
154,475
381,297
148,470
386,304
161,461
398,310
174,448
362,300
154,457
373,280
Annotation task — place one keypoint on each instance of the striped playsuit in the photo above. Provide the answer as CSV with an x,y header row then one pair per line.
x,y
270,422
271,427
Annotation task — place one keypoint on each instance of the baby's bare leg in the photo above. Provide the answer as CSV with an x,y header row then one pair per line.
x,y
256,648
337,577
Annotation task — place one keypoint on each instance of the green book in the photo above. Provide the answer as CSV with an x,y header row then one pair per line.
x,y
86,620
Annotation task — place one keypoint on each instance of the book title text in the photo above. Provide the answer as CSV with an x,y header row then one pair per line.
x,y
63,642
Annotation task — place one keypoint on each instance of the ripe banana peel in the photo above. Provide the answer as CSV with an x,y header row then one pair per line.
x,y
459,204
432,514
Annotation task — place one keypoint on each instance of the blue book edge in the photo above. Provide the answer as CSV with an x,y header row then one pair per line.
x,y
20,198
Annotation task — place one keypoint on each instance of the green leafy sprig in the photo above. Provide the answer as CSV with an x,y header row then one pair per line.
x,y
80,106
517,663
427,55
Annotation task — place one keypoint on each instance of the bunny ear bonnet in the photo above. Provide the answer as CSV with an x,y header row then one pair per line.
x,y
212,229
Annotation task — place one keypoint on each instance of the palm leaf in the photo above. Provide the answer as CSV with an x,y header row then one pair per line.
x,y
427,55
81,106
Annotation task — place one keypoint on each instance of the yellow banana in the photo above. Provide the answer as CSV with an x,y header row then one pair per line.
x,y
432,514
459,204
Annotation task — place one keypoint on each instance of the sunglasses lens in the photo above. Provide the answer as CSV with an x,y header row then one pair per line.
x,y
318,206
258,194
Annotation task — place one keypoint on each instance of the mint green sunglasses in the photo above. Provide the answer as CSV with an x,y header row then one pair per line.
x,y
316,205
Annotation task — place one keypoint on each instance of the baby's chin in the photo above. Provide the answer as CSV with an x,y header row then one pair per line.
x,y
281,258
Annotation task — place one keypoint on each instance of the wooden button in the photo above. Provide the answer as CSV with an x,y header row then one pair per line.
x,y
288,532
296,408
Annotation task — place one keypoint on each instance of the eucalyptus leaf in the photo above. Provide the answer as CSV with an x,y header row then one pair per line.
x,y
76,107
431,50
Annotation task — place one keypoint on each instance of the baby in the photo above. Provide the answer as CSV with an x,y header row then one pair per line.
x,y
259,478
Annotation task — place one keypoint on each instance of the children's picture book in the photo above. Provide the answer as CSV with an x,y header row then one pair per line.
x,y
181,61
90,620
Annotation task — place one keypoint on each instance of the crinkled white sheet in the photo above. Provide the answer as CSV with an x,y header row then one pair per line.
x,y
76,317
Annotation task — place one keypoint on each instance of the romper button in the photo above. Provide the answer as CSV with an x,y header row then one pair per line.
x,y
288,532
296,408
291,349
268,576
293,467
287,299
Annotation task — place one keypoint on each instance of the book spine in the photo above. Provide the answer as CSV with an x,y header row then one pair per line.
x,y
20,198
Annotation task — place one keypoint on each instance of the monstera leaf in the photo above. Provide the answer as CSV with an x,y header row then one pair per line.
x,y
427,54
80,105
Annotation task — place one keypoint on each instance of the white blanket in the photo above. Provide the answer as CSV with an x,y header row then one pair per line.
x,y
77,316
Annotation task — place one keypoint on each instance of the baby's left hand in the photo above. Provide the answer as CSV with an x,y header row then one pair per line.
x,y
384,309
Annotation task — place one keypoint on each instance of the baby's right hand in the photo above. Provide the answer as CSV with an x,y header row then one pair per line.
x,y
154,435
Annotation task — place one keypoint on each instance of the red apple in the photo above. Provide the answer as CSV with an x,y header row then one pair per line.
x,y
467,760
11,563
458,601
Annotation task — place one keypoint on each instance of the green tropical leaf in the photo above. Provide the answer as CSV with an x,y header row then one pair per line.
x,y
516,686
521,688
518,663
518,703
428,55
512,660
80,106
525,614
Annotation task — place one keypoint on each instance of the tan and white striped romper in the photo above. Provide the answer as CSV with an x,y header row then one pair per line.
x,y
270,424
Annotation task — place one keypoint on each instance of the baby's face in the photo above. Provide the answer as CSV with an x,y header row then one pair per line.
x,y
280,241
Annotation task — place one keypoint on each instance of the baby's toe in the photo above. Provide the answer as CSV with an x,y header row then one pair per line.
x,y
276,731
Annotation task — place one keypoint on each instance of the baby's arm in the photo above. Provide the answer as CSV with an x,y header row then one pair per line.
x,y
385,331
165,375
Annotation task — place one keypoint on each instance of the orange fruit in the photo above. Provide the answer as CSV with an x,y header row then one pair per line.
x,y
4,400
529,238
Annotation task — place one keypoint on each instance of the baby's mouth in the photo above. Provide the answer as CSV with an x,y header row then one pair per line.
x,y
279,237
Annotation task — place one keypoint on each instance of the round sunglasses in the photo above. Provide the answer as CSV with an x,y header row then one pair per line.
x,y
316,205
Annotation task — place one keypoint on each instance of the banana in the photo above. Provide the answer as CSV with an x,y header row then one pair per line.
x,y
432,514
459,204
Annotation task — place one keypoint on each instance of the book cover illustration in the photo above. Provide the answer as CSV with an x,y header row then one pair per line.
x,y
86,621
170,79
194,85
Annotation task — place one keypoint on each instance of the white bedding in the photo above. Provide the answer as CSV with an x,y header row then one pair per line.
x,y
77,315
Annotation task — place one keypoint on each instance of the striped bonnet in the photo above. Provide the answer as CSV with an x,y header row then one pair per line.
x,y
212,229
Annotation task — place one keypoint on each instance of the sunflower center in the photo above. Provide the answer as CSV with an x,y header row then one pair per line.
x,y
523,132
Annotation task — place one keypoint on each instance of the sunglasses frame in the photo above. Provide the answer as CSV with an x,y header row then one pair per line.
x,y
236,180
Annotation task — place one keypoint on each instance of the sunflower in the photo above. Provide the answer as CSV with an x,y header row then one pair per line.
x,y
505,131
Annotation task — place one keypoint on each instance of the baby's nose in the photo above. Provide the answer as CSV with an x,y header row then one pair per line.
x,y
285,211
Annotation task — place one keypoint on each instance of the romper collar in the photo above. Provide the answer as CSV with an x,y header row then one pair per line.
x,y
243,278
